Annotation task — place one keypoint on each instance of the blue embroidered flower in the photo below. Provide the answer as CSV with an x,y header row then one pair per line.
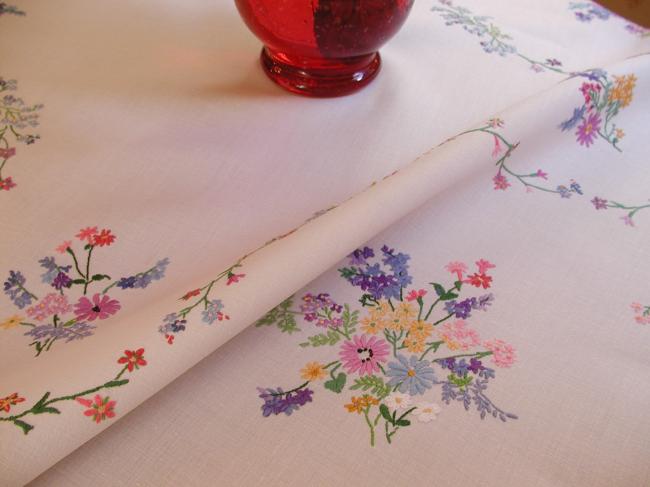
x,y
411,375
573,121
213,312
14,288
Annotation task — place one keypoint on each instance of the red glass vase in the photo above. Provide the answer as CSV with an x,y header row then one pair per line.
x,y
323,47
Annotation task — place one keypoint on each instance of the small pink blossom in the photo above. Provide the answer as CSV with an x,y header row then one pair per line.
x,y
541,174
7,153
7,183
537,68
87,234
459,268
62,249
500,181
642,320
51,304
458,336
233,278
503,354
414,295
637,307
100,307
497,147
627,219
484,265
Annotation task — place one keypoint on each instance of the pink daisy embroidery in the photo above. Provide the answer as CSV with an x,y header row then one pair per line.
x,y
362,354
100,307
100,408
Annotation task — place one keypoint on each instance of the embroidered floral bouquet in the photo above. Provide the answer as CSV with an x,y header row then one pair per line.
x,y
410,343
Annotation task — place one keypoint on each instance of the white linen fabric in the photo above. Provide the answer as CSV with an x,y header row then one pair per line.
x,y
158,127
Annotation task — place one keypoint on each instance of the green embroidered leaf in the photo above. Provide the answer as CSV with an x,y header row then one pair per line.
x,y
42,410
116,383
336,385
373,384
460,382
280,316
99,277
440,290
402,422
383,409
322,339
78,281
448,296
347,272
26,427
350,320
42,400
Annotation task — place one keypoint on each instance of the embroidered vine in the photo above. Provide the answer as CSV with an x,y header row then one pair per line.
x,y
53,318
400,349
603,95
15,117
629,210
588,11
99,408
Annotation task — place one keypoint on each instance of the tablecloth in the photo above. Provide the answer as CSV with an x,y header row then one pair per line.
x,y
207,281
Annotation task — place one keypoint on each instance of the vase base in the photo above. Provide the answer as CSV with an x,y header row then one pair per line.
x,y
320,77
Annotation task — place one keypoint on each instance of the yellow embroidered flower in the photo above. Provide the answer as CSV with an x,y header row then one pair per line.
x,y
622,91
313,371
372,324
11,322
358,404
414,344
421,330
406,310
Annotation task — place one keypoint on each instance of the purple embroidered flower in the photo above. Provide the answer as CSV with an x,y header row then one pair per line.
x,y
578,113
360,256
126,282
213,312
462,309
143,279
482,302
14,288
475,366
588,131
76,331
553,62
172,323
322,310
563,191
61,280
277,401
575,187
52,269
599,203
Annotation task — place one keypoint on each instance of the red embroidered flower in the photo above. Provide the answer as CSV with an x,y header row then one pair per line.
x,y
100,408
101,308
133,359
479,280
88,234
105,237
7,183
233,278
191,294
169,338
7,153
11,400
413,295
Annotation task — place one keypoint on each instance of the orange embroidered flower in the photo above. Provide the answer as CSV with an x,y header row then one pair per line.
x,y
358,404
623,90
11,400
100,408
420,330
313,371
414,344
11,322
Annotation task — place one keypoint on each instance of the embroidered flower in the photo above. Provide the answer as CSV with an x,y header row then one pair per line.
x,y
623,90
234,278
100,408
100,307
11,322
415,295
588,131
363,354
61,280
458,336
63,248
10,400
7,183
500,182
627,219
411,375
313,371
420,330
458,268
213,312
373,323
426,412
51,304
277,401
7,153
321,310
599,203
104,238
484,266
133,359
14,287
479,280
397,400
359,404
414,344
190,294
503,354
87,234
